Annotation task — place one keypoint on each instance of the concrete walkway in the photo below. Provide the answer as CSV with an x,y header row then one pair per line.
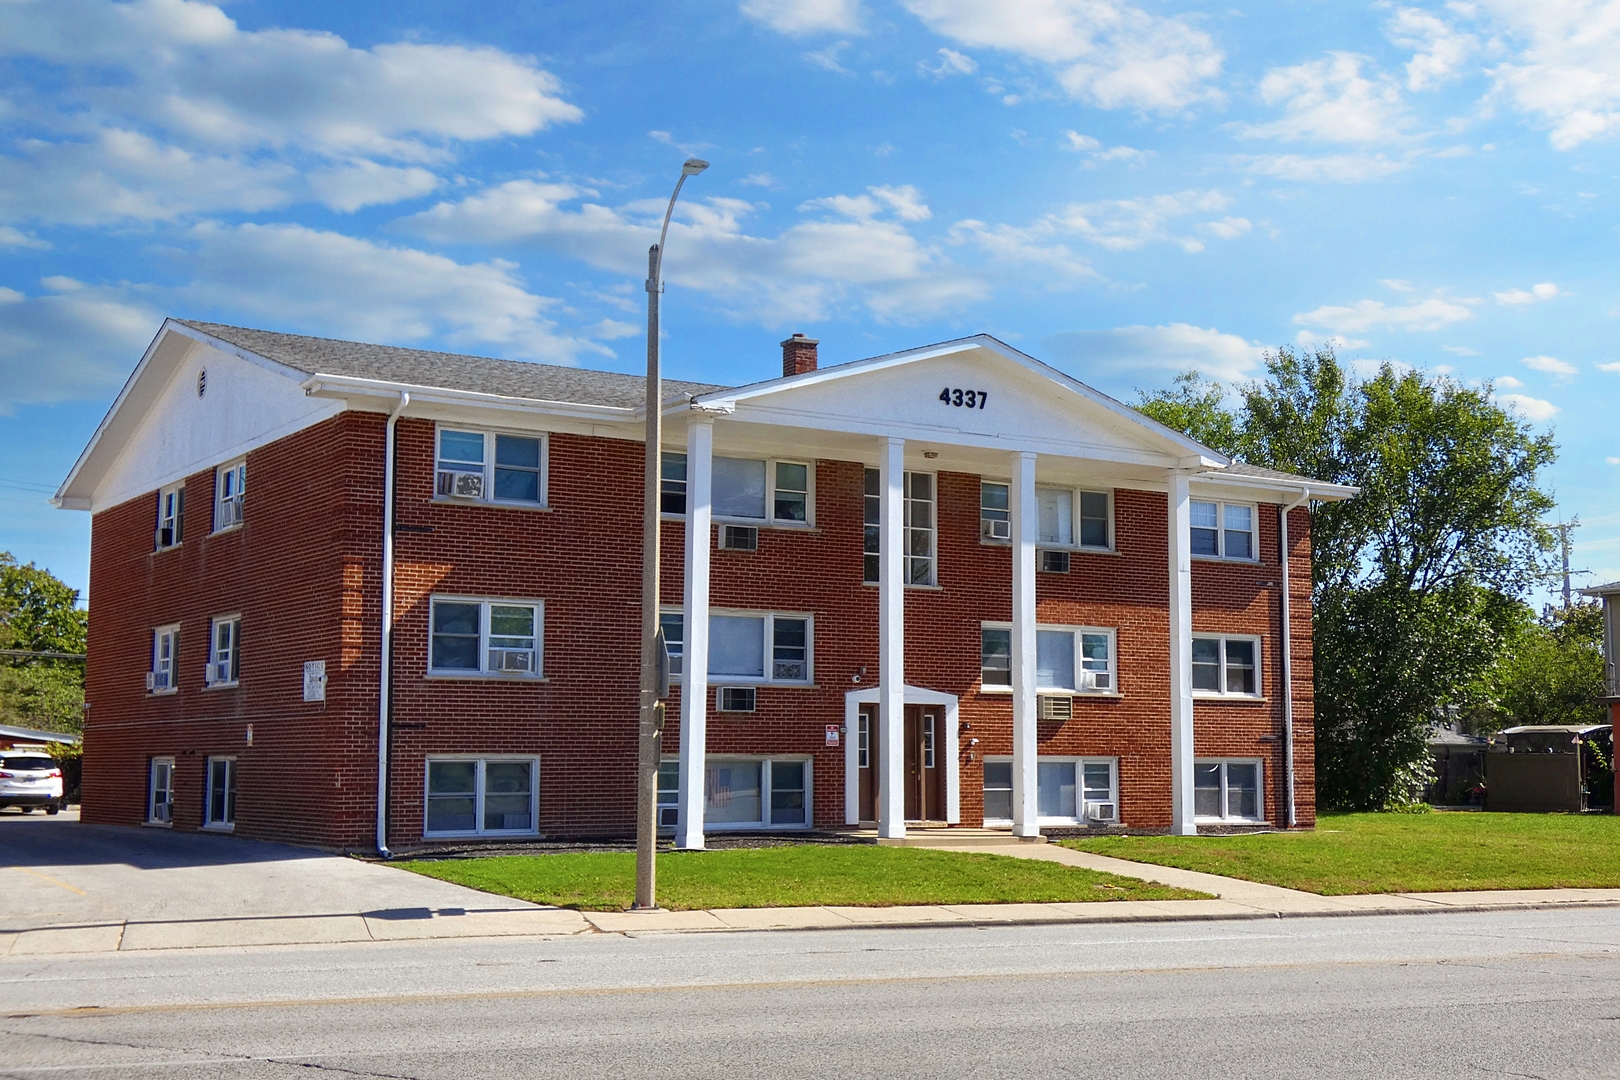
x,y
69,888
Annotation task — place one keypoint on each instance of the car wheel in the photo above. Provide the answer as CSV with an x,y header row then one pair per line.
x,y
53,809
27,809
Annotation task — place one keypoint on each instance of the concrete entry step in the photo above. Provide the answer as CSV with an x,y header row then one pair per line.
x,y
940,836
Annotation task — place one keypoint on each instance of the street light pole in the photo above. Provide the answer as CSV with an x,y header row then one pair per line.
x,y
651,729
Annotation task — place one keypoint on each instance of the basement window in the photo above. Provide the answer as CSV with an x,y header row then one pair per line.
x,y
482,796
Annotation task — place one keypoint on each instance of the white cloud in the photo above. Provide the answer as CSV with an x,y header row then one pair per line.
x,y
1509,382
1551,365
1097,154
1532,409
1613,366
1035,247
828,58
760,179
169,108
1459,350
1330,100
15,238
1128,224
328,283
950,63
905,201
1518,297
859,257
1228,228
1567,70
366,183
1430,314
71,342
1444,369
805,16
1174,348
1338,168
1612,460
1105,52
1439,49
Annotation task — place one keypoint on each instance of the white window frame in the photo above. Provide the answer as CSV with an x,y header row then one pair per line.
x,y
171,635
171,508
666,458
765,763
166,819
1078,763
770,520
479,794
1006,518
488,497
1112,634
1259,790
1220,531
906,559
210,680
718,678
228,823
1075,494
483,671
230,474
1259,669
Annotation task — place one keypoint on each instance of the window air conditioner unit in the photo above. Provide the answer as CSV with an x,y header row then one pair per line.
x,y
1101,811
739,538
1098,680
459,485
230,513
1055,562
735,699
151,680
166,536
1055,708
669,817
995,530
511,660
220,672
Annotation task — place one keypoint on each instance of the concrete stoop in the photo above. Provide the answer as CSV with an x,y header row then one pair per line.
x,y
954,838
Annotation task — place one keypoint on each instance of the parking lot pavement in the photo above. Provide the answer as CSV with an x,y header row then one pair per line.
x,y
69,887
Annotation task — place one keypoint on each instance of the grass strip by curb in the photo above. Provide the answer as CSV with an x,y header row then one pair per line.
x,y
1350,854
805,875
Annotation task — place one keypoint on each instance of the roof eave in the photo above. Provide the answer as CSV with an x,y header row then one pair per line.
x,y
346,387
1315,490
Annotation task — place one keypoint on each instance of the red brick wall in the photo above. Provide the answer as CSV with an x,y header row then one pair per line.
x,y
304,572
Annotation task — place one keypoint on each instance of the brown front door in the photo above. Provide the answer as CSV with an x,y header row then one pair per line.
x,y
866,756
924,775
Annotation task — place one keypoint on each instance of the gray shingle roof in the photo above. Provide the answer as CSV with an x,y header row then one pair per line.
x,y
447,371
1238,468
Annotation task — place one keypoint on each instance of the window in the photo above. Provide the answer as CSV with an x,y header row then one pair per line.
x,y
918,560
489,466
225,650
468,796
1223,530
1068,791
863,742
160,792
672,623
669,794
171,516
1227,666
1058,524
165,651
744,488
873,539
738,648
744,792
230,482
672,484
220,804
995,656
995,518
1227,790
486,637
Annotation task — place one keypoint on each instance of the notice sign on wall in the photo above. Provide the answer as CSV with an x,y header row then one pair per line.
x,y
832,734
315,680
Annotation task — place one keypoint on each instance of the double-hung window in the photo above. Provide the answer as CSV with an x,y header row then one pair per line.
x,y
764,491
1224,530
1068,791
230,485
486,637
160,791
741,793
995,657
225,650
759,648
1225,666
1066,518
165,654
917,550
219,804
1068,659
672,483
872,540
1227,791
490,466
171,516
995,516
673,624
482,796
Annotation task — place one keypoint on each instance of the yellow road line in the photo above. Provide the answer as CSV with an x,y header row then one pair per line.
x,y
52,880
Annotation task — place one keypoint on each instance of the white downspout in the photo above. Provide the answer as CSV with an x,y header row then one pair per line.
x,y
1288,655
384,667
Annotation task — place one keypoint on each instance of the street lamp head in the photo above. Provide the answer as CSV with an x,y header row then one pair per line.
x,y
693,166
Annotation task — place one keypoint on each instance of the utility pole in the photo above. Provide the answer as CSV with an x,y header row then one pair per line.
x,y
1563,543
654,657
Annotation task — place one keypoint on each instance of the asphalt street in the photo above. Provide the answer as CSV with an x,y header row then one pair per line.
x,y
1533,993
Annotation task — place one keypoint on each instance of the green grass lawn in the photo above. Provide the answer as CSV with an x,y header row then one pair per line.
x,y
801,875
1384,853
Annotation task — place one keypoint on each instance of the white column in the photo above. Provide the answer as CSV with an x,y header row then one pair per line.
x,y
1181,701
695,633
1025,529
891,718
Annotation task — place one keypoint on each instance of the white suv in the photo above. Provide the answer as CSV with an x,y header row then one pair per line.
x,y
29,778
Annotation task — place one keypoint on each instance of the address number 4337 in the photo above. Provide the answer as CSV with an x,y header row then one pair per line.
x,y
964,399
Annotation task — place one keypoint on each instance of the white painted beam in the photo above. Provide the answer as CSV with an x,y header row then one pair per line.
x,y
891,718
695,631
1025,530
1181,700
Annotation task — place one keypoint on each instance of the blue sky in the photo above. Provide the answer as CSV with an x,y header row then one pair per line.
x,y
1125,189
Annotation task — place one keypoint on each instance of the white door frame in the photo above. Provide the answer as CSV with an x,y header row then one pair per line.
x,y
914,695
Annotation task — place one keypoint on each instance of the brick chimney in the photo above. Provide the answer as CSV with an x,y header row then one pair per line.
x,y
798,355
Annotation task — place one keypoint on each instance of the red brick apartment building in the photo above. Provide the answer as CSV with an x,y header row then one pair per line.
x,y
950,585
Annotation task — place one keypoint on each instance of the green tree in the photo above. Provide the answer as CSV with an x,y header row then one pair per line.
x,y
1416,581
1195,406
1550,671
40,613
